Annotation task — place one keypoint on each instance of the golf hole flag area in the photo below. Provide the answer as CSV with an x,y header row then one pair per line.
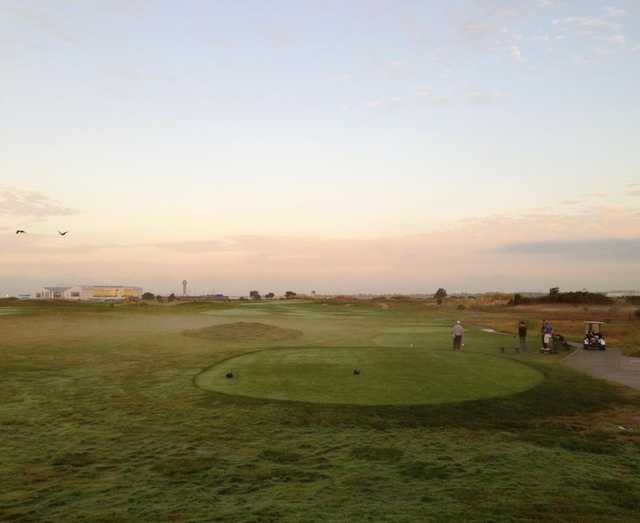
x,y
387,376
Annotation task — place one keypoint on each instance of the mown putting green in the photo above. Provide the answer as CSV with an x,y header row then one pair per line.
x,y
389,376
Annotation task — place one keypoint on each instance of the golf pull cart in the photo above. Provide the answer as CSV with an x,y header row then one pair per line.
x,y
593,337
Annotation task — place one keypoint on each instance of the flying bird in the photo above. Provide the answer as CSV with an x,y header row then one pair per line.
x,y
63,233
20,231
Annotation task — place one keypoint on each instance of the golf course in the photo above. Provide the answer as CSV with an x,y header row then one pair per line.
x,y
303,410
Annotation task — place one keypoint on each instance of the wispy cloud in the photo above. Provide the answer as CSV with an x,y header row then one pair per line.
x,y
590,27
430,96
43,20
506,251
597,195
17,202
486,97
482,20
614,12
616,39
516,54
602,248
198,246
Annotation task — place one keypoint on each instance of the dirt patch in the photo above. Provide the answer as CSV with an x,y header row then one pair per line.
x,y
244,332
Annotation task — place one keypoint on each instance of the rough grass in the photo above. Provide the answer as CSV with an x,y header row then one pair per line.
x,y
100,421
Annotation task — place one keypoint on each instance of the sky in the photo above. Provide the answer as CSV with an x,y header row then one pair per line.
x,y
362,146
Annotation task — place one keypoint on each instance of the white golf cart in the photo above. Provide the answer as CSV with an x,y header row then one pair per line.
x,y
593,336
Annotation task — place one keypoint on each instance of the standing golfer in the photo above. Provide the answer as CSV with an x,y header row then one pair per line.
x,y
458,334
522,334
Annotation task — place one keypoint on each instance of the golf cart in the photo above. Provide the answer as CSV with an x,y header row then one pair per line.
x,y
593,336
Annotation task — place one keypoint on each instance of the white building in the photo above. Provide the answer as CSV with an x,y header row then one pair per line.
x,y
90,293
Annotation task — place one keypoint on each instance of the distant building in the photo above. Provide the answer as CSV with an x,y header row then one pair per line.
x,y
91,293
622,294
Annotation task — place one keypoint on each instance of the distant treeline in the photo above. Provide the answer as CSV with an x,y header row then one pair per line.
x,y
555,296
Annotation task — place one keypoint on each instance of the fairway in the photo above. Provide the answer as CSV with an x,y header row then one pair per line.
x,y
390,376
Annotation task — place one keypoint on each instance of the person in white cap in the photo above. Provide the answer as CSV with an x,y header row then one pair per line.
x,y
458,334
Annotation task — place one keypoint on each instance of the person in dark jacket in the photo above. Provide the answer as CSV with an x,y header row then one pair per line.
x,y
522,335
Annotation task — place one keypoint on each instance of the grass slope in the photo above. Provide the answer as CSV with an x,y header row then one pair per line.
x,y
244,332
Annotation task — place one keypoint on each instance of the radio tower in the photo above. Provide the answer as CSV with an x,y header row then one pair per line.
x,y
184,287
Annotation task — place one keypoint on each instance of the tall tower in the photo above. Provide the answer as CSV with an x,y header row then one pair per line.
x,y
184,287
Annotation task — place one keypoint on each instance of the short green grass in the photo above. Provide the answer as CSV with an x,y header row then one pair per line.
x,y
386,376
101,420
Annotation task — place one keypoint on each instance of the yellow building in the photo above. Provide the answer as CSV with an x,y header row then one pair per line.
x,y
91,293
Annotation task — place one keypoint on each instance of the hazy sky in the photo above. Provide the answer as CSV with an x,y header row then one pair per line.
x,y
340,146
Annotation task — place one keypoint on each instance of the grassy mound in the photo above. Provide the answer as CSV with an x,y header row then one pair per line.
x,y
244,332
387,376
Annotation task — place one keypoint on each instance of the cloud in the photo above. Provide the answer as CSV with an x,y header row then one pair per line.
x,y
196,246
614,12
586,25
428,95
516,54
482,20
486,97
601,248
496,252
597,195
17,202
44,21
617,39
